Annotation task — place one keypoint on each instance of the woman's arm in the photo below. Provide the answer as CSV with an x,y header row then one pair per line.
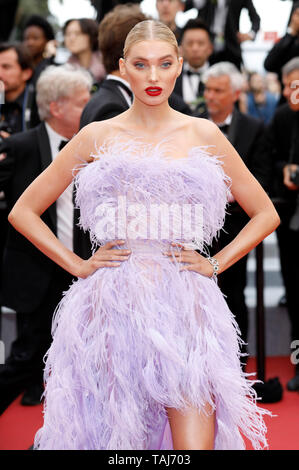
x,y
250,196
44,191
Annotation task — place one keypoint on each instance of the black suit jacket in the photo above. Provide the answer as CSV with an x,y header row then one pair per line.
x,y
109,102
246,134
27,271
232,50
106,103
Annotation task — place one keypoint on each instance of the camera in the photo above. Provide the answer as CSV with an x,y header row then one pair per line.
x,y
294,176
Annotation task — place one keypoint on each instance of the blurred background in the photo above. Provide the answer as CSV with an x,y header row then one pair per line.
x,y
274,16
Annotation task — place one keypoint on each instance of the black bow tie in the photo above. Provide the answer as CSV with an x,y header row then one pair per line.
x,y
62,144
224,128
192,72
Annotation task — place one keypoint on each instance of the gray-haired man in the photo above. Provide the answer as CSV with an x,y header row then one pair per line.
x,y
33,284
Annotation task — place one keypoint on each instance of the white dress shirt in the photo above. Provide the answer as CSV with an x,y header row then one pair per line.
x,y
64,204
190,83
227,122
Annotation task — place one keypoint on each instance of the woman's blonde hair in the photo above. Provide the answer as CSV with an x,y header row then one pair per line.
x,y
149,30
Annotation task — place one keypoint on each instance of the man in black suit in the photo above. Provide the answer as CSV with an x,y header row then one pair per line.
x,y
282,143
114,95
223,83
287,47
223,18
33,284
196,48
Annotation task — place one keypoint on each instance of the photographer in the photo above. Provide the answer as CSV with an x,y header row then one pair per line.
x,y
282,140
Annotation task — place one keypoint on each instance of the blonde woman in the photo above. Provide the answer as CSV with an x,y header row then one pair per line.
x,y
145,352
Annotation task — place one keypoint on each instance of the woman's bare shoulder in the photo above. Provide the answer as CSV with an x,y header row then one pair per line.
x,y
199,124
203,131
96,128
94,134
203,125
102,129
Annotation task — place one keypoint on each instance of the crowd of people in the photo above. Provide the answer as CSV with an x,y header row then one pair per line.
x,y
46,104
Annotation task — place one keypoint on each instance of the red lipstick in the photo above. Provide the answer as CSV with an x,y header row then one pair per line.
x,y
153,90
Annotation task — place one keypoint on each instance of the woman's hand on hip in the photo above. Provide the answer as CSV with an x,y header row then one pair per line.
x,y
104,257
193,260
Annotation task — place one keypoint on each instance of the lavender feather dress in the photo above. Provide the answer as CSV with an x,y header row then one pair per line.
x,y
131,340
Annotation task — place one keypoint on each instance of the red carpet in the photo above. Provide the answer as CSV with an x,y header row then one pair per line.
x,y
18,424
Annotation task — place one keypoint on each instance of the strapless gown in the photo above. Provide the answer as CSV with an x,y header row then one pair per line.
x,y
130,341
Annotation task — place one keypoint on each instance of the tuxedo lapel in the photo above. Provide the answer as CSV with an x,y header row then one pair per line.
x,y
232,134
46,159
114,86
178,89
241,134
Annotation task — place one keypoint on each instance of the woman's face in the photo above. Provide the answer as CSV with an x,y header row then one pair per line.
x,y
35,40
76,41
151,67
